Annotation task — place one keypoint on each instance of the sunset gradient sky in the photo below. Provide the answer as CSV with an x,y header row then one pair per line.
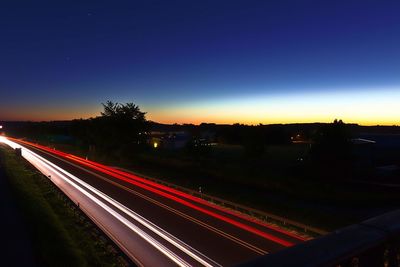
x,y
202,61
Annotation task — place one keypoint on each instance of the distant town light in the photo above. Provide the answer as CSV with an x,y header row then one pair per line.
x,y
155,144
1,126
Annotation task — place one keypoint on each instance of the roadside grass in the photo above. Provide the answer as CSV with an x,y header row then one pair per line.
x,y
61,235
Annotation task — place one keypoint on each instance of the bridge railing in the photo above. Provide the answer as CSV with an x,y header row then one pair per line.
x,y
375,242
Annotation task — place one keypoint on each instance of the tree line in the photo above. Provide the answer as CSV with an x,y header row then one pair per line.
x,y
124,129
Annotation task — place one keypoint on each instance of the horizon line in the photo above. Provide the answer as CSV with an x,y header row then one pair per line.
x,y
218,124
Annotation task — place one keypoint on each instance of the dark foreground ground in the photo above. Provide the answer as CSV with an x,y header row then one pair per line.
x,y
17,246
41,226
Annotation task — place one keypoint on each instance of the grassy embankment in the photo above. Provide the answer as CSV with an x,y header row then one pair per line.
x,y
61,235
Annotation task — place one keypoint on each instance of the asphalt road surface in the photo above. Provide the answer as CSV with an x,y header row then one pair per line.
x,y
153,224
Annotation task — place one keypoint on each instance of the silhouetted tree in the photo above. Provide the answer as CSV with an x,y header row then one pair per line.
x,y
129,111
110,109
120,128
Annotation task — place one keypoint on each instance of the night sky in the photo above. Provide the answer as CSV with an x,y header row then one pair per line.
x,y
202,61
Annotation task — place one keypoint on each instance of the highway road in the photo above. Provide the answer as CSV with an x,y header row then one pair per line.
x,y
153,224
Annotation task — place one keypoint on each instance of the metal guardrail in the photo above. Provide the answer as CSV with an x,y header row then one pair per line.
x,y
261,215
375,242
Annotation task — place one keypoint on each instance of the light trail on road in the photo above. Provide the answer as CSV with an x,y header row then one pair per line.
x,y
146,209
46,167
155,186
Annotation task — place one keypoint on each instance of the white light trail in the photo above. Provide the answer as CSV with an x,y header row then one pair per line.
x,y
43,164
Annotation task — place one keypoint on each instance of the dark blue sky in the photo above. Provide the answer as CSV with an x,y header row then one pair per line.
x,y
61,59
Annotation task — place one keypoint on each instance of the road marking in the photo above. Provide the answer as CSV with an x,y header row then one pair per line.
x,y
146,223
46,166
188,217
178,193
174,195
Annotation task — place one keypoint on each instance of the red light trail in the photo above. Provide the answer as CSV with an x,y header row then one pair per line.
x,y
168,192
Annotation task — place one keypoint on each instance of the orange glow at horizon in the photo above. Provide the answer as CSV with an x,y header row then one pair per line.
x,y
380,107
374,107
196,120
49,113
